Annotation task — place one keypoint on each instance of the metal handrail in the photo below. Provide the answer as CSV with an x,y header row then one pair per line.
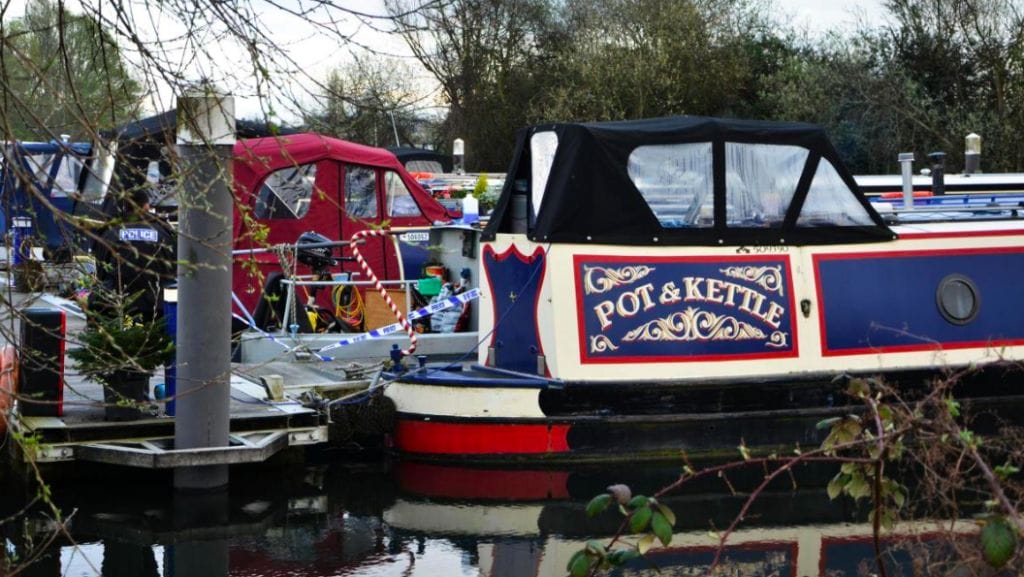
x,y
334,282
295,246
959,208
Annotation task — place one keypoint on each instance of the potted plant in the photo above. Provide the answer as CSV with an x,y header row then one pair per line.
x,y
120,349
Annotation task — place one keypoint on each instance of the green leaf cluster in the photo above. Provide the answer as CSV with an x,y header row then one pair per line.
x,y
645,516
998,541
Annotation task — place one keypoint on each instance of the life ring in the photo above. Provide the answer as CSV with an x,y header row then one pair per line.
x,y
8,382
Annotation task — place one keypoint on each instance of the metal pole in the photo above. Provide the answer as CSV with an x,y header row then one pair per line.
x,y
206,136
395,128
938,173
195,513
907,165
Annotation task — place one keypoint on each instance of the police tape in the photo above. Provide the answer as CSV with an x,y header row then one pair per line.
x,y
252,326
444,304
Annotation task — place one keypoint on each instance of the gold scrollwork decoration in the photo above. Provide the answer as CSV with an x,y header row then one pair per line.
x,y
598,279
601,344
767,277
695,325
778,340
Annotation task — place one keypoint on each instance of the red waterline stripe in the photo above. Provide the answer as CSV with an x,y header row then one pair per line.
x,y
430,480
480,438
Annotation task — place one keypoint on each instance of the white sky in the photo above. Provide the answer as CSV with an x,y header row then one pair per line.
x,y
316,52
821,16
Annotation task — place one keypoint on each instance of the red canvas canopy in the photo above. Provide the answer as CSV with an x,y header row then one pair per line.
x,y
255,158
310,195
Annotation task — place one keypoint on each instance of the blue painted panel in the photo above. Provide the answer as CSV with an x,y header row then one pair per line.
x,y
21,202
680,309
851,556
890,301
515,283
413,252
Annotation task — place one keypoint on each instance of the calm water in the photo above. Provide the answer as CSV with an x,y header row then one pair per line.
x,y
406,519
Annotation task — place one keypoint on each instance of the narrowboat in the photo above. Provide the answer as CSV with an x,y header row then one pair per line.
x,y
686,284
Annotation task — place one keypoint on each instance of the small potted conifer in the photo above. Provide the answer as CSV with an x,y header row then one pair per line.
x,y
120,349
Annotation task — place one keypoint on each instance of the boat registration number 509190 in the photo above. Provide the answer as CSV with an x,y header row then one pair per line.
x,y
678,309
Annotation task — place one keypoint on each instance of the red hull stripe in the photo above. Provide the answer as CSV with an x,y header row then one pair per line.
x,y
427,437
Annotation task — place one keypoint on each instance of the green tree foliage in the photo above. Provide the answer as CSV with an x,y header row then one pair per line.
x,y
644,58
933,72
62,73
918,79
490,57
370,99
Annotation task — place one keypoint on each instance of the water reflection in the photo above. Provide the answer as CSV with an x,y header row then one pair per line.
x,y
420,519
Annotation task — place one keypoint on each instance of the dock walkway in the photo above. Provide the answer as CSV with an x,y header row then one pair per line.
x,y
261,425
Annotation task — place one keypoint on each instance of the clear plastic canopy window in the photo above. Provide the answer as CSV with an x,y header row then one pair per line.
x,y
543,146
760,181
677,182
286,193
829,202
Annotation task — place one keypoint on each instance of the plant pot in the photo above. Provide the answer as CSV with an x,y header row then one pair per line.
x,y
121,387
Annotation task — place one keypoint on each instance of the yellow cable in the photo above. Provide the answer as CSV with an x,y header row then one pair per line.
x,y
353,313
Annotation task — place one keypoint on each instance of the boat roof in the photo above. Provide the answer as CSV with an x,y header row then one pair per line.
x,y
255,158
953,183
684,180
408,155
162,127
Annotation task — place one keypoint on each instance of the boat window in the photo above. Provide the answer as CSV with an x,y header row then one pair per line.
x,y
40,165
958,300
760,180
66,182
676,181
361,192
400,201
286,193
830,202
542,152
98,175
424,166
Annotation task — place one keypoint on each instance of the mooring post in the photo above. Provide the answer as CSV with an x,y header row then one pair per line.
x,y
906,160
206,136
199,514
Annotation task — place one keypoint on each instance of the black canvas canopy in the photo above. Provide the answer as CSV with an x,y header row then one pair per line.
x,y
407,154
683,180
143,141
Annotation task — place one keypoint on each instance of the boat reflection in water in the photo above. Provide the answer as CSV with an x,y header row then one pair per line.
x,y
426,519
531,522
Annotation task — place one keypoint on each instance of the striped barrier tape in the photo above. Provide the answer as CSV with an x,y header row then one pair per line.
x,y
252,326
353,245
452,301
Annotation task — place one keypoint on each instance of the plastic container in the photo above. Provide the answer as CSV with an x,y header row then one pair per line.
x,y
429,286
435,270
470,209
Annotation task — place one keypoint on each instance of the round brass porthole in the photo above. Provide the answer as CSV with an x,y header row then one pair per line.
x,y
958,299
